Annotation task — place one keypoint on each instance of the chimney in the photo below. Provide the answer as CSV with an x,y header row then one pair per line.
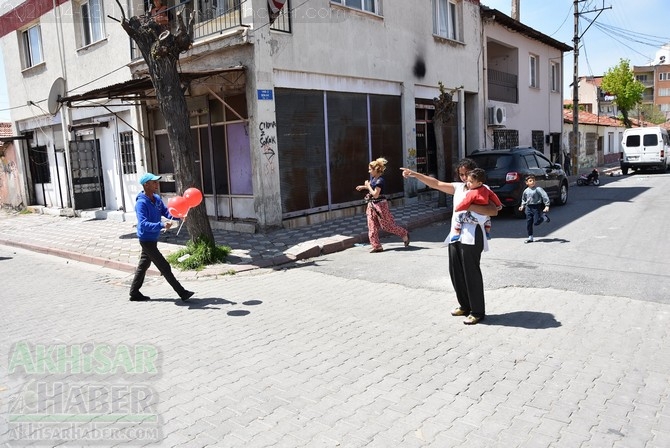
x,y
515,10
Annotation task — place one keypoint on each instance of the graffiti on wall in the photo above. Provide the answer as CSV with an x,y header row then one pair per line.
x,y
268,143
9,183
411,158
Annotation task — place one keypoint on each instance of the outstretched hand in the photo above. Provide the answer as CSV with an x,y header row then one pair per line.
x,y
406,172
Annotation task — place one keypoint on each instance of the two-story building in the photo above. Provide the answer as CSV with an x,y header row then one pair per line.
x,y
523,88
285,115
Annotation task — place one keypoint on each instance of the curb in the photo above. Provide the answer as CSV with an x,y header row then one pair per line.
x,y
301,251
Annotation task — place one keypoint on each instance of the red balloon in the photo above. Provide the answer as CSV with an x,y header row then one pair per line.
x,y
177,206
193,197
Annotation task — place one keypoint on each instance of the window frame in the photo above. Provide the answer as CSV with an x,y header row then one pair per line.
x,y
370,6
127,149
449,29
28,56
89,23
534,71
555,76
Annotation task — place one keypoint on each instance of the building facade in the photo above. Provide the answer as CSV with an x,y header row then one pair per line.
x,y
523,86
285,115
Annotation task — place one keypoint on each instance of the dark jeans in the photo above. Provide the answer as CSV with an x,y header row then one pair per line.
x,y
535,216
466,274
150,253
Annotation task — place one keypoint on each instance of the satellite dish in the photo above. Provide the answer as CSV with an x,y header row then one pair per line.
x,y
55,94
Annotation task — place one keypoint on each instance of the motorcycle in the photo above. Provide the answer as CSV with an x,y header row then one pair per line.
x,y
593,178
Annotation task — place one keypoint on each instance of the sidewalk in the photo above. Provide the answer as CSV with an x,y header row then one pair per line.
x,y
114,244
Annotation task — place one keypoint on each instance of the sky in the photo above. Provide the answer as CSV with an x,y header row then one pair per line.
x,y
631,29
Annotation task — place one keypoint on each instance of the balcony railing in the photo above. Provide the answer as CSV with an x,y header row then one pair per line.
x,y
503,86
206,22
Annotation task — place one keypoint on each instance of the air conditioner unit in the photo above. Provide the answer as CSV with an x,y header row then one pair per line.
x,y
497,116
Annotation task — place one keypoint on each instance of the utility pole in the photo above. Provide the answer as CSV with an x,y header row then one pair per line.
x,y
574,141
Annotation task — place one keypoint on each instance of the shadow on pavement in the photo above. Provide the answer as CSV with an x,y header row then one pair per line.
x,y
523,319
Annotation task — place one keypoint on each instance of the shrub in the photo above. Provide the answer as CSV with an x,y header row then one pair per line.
x,y
201,253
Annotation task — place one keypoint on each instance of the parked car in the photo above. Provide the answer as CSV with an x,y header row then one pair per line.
x,y
506,170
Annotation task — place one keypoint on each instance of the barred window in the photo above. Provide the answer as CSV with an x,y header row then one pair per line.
x,y
127,153
538,140
505,138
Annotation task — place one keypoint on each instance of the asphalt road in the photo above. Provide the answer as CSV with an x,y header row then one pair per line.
x,y
607,240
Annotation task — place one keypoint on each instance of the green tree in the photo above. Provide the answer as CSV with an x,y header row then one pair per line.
x,y
651,113
620,82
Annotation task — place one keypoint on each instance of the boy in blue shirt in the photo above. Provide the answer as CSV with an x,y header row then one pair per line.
x,y
149,209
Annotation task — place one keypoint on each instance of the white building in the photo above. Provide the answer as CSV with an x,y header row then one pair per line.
x,y
523,85
285,116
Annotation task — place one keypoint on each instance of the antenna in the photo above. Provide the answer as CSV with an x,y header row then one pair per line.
x,y
55,94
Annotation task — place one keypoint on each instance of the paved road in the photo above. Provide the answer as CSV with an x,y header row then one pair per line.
x,y
301,358
353,349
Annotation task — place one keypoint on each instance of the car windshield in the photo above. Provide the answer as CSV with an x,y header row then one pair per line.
x,y
489,162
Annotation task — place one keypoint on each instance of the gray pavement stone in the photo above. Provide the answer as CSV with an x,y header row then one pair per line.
x,y
300,368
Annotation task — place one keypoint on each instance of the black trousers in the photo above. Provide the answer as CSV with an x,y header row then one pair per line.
x,y
534,215
151,254
466,274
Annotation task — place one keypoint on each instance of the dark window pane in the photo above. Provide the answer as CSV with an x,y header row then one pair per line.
x,y
302,161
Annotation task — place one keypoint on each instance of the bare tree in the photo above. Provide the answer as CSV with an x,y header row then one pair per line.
x,y
161,49
444,112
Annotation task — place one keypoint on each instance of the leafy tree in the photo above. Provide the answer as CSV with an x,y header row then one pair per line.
x,y
651,113
161,49
620,82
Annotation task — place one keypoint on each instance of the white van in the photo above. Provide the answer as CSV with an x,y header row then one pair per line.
x,y
645,148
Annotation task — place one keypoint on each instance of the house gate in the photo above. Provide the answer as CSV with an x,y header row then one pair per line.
x,y
87,182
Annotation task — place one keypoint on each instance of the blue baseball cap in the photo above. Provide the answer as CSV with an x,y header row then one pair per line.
x,y
146,177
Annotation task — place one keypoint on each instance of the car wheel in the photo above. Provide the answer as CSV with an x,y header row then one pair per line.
x,y
562,198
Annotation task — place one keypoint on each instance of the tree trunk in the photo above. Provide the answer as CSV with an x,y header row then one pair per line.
x,y
161,50
626,119
438,127
444,111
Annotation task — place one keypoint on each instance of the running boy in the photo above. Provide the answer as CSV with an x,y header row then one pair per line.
x,y
533,199
479,194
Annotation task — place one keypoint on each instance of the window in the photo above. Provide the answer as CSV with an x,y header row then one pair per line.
x,y
364,5
91,22
505,138
537,138
445,23
641,78
664,76
664,92
555,77
534,71
31,43
127,153
39,165
283,20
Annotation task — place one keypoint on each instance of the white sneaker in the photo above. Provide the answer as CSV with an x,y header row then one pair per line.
x,y
529,240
